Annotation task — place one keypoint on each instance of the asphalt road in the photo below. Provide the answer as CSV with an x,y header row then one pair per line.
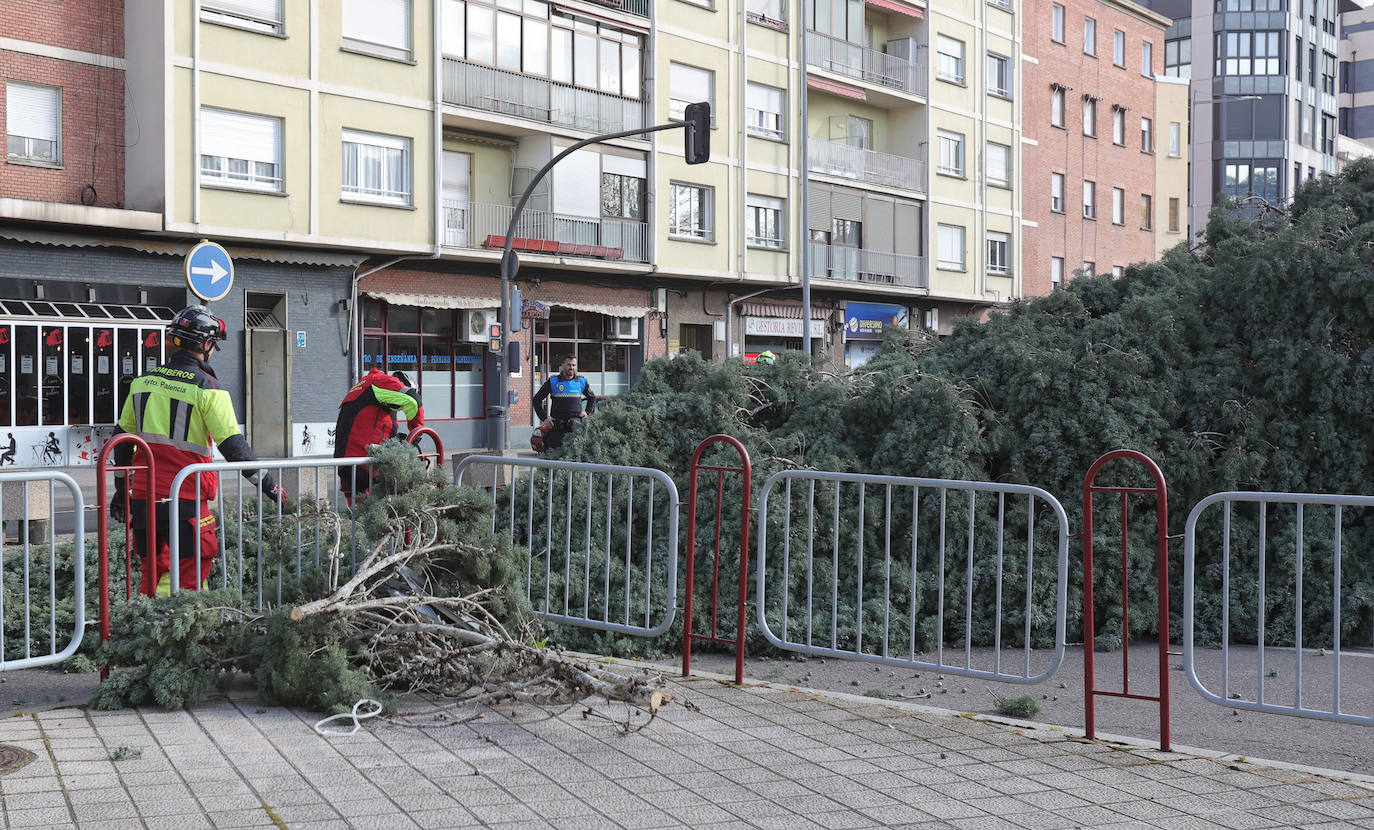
x,y
1195,721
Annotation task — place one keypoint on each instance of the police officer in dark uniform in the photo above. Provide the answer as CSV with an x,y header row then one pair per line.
x,y
568,390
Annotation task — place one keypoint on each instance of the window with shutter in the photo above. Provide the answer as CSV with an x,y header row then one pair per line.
x,y
378,27
33,122
240,150
376,168
255,15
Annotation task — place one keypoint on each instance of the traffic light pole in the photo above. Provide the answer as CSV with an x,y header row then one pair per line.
x,y
498,417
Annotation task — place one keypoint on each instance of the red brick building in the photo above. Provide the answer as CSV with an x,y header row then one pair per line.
x,y
1091,134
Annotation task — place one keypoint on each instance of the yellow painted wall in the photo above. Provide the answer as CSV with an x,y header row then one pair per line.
x,y
365,221
1171,173
490,171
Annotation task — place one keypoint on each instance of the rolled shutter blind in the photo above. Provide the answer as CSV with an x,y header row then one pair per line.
x,y
240,136
32,111
378,21
818,207
258,9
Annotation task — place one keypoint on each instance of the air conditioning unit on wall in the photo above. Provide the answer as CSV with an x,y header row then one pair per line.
x,y
477,323
622,328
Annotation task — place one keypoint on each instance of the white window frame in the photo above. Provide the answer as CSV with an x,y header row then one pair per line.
x,y
1118,126
1147,135
949,59
1147,59
999,75
950,158
703,196
762,118
760,212
369,26
998,175
951,237
1119,48
264,16
1090,117
1090,36
1147,212
1175,139
1089,268
1057,192
1057,23
1089,200
1118,272
684,87
999,253
1118,206
41,115
388,193
1057,102
1056,271
771,10
255,141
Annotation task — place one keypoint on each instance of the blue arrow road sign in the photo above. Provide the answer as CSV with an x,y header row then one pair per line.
x,y
209,271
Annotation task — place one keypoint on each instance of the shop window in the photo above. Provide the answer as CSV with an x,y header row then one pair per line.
x,y
422,343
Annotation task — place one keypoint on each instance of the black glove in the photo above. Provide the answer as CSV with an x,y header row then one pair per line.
x,y
118,503
272,491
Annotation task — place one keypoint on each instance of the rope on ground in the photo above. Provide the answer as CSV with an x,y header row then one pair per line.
x,y
357,717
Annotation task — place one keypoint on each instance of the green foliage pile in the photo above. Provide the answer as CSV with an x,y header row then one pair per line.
x,y
1244,364
174,651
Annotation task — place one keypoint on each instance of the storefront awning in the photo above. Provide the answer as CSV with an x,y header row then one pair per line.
x,y
433,300
781,310
151,246
899,8
635,311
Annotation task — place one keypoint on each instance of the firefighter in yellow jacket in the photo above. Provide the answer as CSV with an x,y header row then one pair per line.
x,y
180,410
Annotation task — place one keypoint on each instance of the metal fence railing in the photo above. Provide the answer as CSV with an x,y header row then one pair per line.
x,y
603,539
833,158
1279,585
909,571
262,544
539,99
42,581
840,262
844,57
541,231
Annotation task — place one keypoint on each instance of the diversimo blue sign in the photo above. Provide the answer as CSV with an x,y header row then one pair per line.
x,y
866,321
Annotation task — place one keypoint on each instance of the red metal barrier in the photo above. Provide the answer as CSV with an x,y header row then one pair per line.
x,y
1161,493
436,457
103,524
746,469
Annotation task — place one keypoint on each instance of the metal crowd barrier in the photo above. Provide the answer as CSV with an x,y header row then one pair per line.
x,y
30,575
308,523
615,566
1302,544
887,598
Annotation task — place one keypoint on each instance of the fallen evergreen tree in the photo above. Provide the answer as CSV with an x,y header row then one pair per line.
x,y
434,606
1246,363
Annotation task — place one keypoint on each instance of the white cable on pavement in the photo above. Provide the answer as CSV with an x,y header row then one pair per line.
x,y
355,715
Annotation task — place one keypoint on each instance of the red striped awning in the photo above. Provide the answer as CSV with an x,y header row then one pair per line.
x,y
899,8
838,89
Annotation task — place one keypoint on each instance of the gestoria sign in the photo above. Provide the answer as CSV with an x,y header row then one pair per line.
x,y
781,327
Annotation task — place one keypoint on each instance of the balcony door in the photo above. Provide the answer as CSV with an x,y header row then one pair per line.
x,y
457,193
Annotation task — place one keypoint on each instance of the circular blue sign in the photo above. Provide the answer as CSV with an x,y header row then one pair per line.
x,y
209,271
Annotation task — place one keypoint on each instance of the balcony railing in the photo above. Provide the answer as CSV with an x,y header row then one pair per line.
x,y
836,262
539,99
834,159
639,7
861,63
481,225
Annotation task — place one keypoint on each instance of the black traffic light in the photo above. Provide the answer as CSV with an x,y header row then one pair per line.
x,y
698,139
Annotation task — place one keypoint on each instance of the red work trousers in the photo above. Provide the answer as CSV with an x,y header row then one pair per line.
x,y
197,541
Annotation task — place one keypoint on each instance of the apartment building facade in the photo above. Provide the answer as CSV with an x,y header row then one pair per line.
x,y
1356,115
1104,139
361,161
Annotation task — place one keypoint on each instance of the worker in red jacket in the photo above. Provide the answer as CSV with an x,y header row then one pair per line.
x,y
367,416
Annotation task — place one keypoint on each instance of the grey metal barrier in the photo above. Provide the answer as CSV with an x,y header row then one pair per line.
x,y
1280,584
46,581
906,571
603,539
248,532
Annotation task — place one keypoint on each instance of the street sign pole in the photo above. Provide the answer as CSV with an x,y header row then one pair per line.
x,y
697,150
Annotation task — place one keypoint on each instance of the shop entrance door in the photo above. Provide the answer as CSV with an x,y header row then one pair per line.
x,y
269,372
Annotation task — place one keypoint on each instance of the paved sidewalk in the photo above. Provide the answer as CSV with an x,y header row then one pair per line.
x,y
758,757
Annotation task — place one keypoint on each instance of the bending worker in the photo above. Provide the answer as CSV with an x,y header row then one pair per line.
x,y
180,410
568,389
367,416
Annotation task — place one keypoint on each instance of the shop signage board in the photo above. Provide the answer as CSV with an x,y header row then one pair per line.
x,y
781,327
209,271
867,321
